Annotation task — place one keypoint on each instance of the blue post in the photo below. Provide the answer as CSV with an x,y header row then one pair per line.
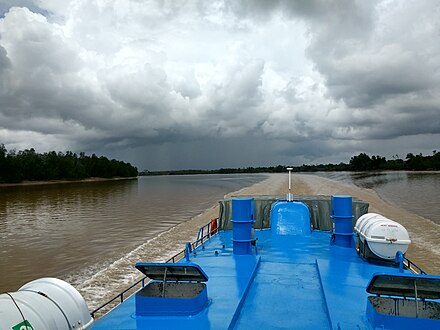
x,y
342,216
188,250
242,220
399,260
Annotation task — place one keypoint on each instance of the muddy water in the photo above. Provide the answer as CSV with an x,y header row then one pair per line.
x,y
417,192
79,231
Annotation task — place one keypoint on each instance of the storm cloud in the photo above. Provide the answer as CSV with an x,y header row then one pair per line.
x,y
209,84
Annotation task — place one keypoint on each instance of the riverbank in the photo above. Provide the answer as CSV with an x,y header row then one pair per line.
x,y
50,182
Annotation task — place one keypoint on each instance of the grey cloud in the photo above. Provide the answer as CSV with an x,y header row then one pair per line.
x,y
231,104
387,61
43,67
326,15
145,88
5,66
5,5
364,79
5,63
136,106
185,83
34,42
206,153
289,80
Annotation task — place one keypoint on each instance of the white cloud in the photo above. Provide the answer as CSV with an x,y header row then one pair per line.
x,y
92,75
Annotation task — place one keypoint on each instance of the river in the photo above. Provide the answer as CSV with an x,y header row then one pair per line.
x,y
417,192
76,230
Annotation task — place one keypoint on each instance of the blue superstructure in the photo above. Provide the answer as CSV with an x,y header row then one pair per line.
x,y
287,276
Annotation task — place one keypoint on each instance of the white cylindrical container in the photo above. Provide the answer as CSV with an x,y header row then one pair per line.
x,y
46,303
383,236
386,237
363,220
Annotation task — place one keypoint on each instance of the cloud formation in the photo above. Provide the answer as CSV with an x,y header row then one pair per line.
x,y
161,83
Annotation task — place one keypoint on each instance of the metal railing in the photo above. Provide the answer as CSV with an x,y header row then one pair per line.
x,y
413,267
205,233
119,296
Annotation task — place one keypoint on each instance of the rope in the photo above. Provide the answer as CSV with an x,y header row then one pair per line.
x,y
18,307
54,302
164,282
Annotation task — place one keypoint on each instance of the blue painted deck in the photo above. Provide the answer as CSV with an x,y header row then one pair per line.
x,y
292,282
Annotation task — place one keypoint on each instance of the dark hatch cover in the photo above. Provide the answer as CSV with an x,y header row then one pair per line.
x,y
172,271
405,285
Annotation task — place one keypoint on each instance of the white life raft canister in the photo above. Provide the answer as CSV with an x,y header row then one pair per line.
x,y
46,303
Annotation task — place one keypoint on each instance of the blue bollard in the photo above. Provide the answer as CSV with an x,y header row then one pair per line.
x,y
342,216
242,220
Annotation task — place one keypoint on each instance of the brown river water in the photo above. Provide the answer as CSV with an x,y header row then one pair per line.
x,y
87,232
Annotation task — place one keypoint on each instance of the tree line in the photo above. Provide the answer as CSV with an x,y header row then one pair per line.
x,y
361,162
364,162
28,165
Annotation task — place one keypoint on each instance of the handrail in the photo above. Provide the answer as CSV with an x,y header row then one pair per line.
x,y
413,267
205,233
120,296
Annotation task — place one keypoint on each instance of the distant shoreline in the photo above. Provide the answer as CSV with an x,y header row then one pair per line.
x,y
271,171
49,182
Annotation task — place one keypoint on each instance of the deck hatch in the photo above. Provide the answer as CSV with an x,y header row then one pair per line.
x,y
172,271
403,301
175,289
405,285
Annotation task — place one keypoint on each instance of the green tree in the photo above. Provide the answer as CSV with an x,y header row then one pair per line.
x,y
361,162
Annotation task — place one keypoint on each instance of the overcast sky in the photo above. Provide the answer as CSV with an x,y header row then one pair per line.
x,y
210,84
